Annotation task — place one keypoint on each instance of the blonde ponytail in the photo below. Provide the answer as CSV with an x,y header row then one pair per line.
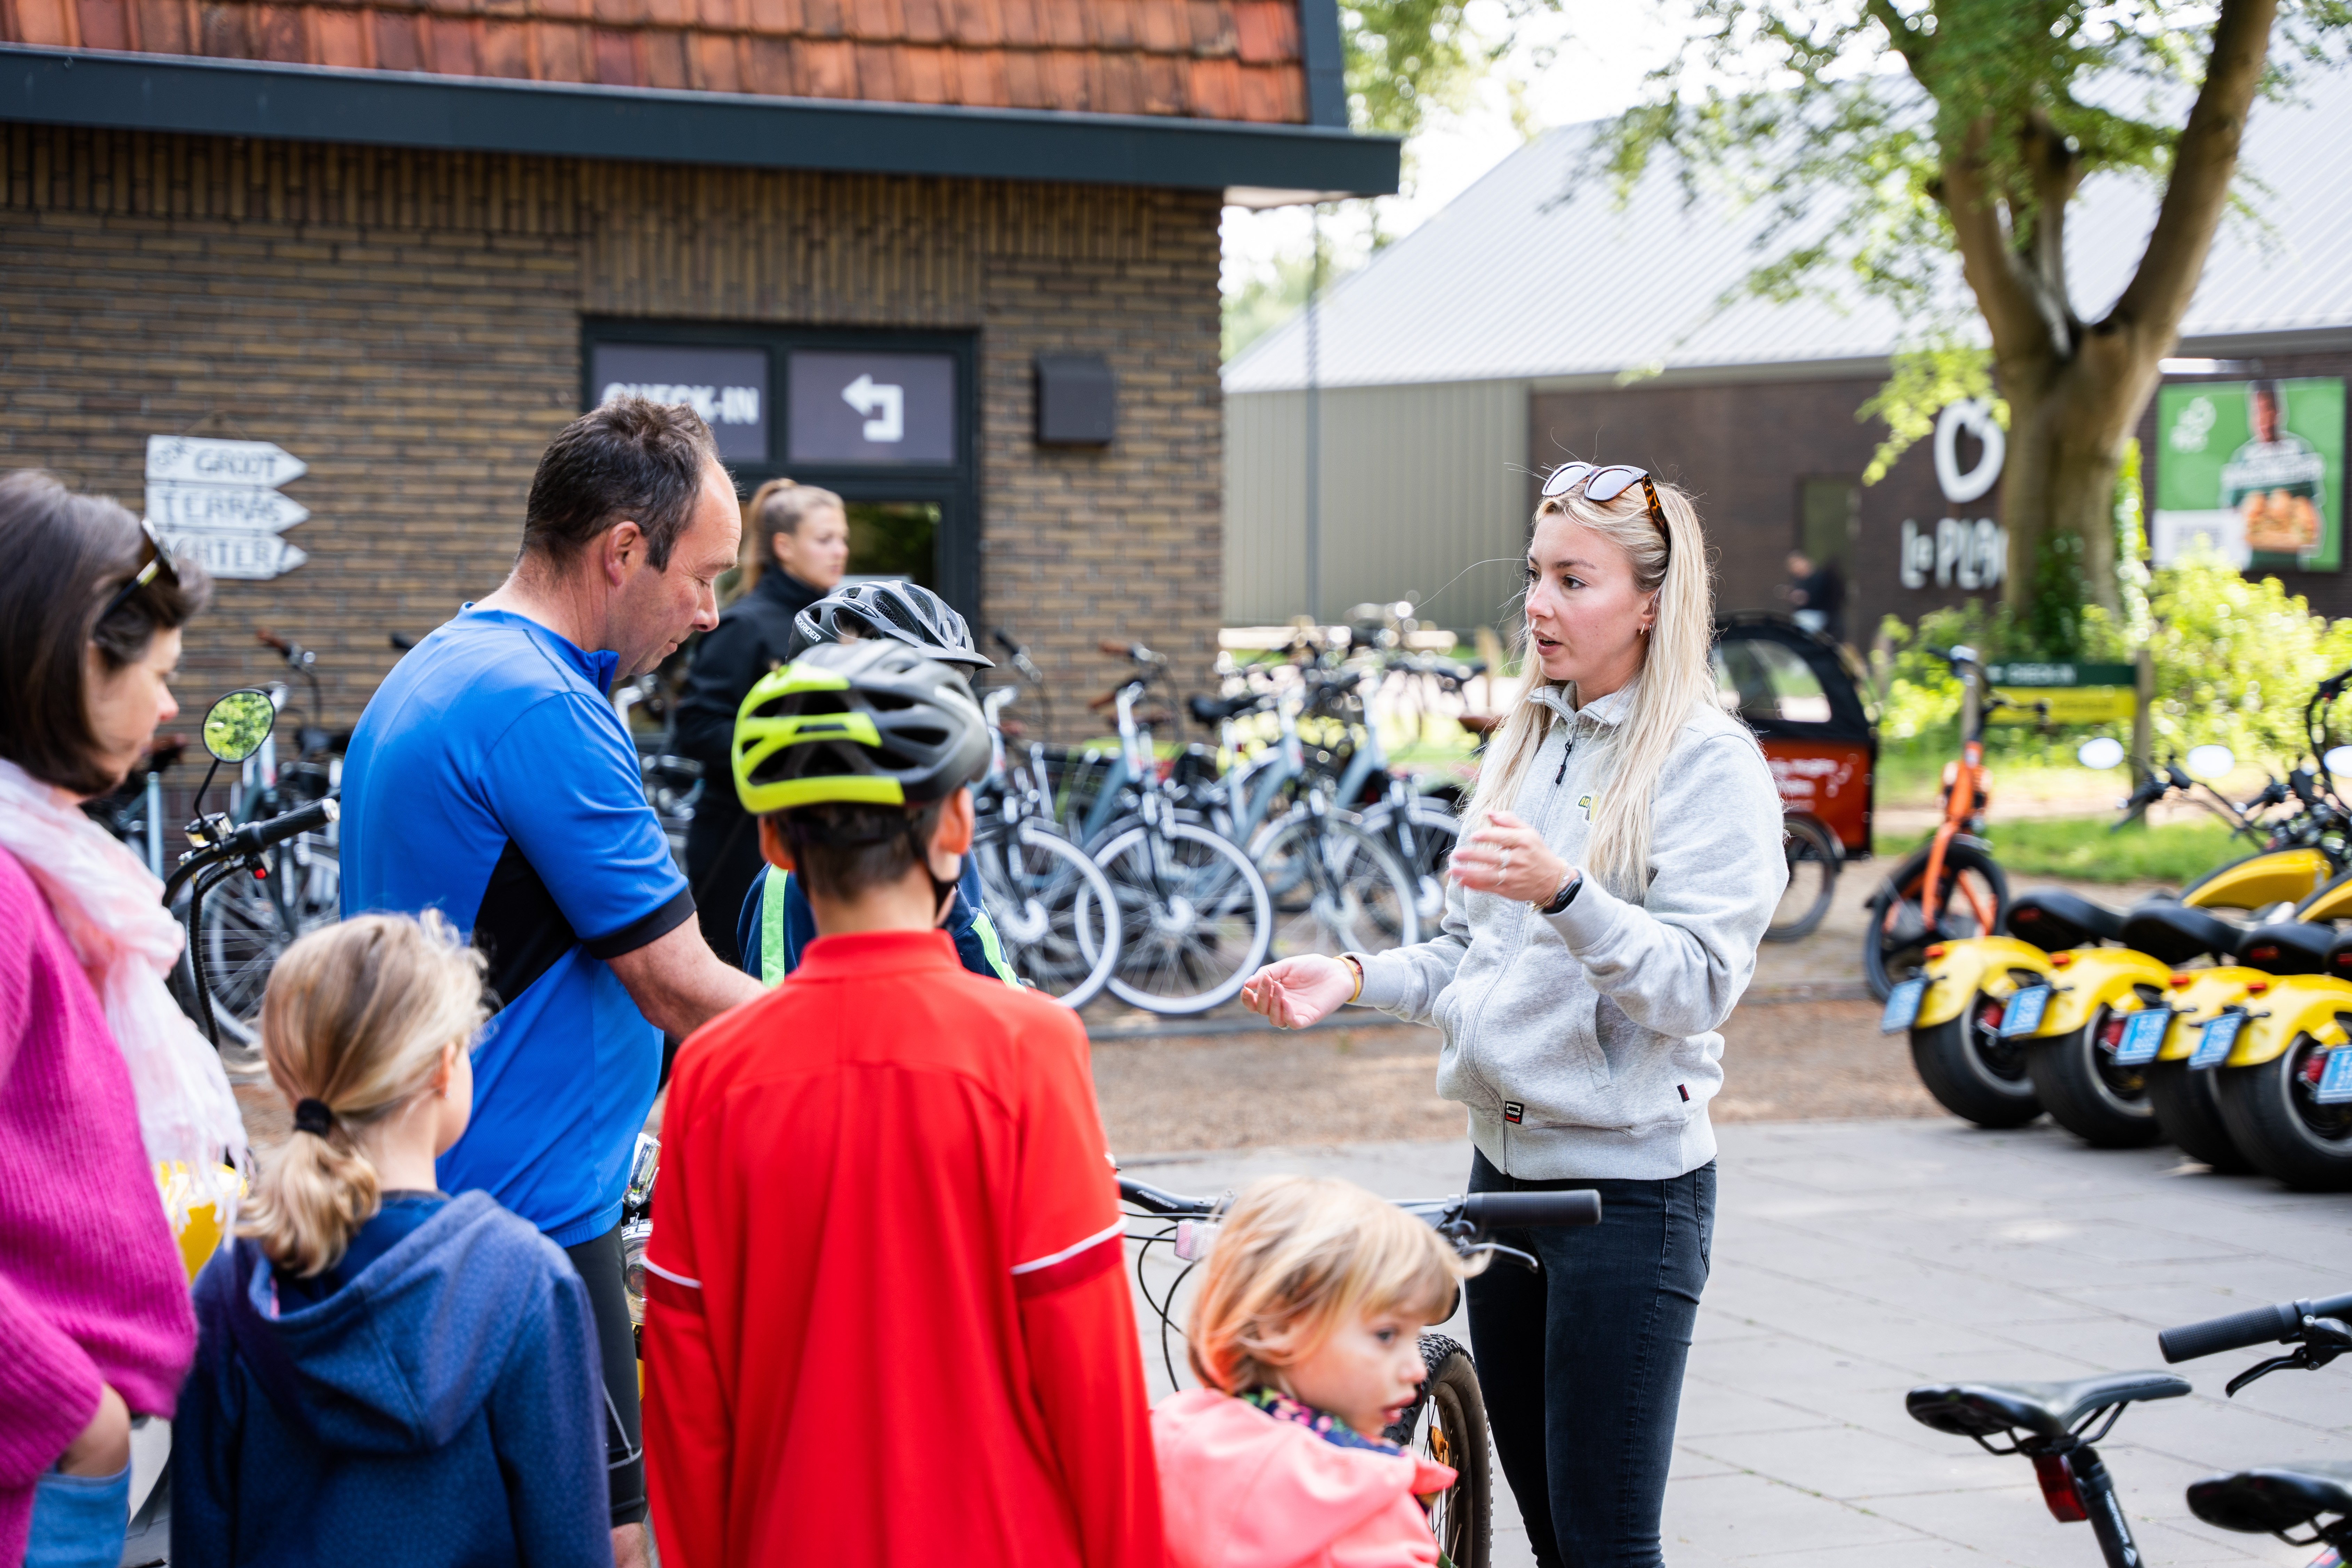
x,y
1675,679
354,1023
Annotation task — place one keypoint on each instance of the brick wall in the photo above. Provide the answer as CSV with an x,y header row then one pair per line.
x,y
409,325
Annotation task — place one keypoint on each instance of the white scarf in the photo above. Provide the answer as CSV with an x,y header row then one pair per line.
x,y
111,907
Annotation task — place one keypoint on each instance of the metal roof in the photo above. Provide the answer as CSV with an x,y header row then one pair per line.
x,y
1521,278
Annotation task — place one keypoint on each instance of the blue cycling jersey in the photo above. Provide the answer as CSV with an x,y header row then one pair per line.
x,y
490,779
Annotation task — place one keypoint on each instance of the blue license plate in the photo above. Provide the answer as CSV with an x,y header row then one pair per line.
x,y
2143,1037
2023,1014
2214,1041
1902,1005
2335,1079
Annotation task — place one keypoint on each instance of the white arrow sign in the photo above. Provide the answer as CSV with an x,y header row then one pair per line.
x,y
866,395
238,508
253,556
197,460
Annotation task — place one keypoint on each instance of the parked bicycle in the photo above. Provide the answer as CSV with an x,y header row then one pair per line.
x,y
2058,1425
1447,1424
1054,910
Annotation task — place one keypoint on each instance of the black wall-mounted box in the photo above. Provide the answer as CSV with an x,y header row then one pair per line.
x,y
1077,401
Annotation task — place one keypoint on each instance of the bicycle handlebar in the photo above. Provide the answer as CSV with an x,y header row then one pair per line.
x,y
2280,1322
1512,1211
256,837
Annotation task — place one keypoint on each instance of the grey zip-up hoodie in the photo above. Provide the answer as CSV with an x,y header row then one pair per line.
x,y
1584,1043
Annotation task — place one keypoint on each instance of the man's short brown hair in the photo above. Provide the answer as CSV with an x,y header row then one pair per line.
x,y
627,461
67,556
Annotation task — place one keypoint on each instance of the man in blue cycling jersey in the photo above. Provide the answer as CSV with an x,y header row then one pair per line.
x,y
776,927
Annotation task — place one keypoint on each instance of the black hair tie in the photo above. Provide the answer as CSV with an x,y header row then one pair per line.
x,y
314,1117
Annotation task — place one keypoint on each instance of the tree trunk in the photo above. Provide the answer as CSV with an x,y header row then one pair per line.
x,y
2067,426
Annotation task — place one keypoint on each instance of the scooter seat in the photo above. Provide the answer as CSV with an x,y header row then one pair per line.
x,y
2053,919
2274,1500
1217,710
2289,947
2173,933
2044,1409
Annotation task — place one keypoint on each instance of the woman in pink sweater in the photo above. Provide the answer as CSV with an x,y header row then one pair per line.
x,y
1305,1332
100,1076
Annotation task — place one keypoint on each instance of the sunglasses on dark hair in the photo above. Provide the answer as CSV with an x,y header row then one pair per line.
x,y
154,561
1606,485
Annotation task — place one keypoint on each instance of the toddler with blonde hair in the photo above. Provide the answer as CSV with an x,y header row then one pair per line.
x,y
1306,1335
385,1375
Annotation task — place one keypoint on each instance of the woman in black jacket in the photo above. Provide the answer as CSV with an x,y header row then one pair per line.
x,y
796,547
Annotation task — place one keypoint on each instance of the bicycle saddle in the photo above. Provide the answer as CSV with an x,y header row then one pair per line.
x,y
2052,919
2044,1409
2274,1500
2289,947
2174,933
1217,710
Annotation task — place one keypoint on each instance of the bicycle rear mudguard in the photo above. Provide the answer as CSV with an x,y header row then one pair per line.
x,y
2208,994
2258,881
1971,965
2090,978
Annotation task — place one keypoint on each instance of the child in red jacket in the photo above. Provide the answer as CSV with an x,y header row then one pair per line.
x,y
886,1321
1305,1332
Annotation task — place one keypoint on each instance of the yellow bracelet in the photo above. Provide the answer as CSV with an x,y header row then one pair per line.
x,y
1352,962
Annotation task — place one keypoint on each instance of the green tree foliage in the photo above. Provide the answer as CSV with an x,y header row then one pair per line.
x,y
1925,152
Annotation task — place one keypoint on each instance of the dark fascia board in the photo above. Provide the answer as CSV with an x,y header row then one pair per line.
x,y
401,109
1326,61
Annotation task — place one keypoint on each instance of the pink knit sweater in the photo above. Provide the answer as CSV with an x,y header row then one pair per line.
x,y
92,1289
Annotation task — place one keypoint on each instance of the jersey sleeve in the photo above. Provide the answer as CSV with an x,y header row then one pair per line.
x,y
688,1443
564,784
1066,1226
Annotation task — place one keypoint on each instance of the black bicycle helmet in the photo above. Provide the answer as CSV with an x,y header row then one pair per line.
x,y
871,722
907,612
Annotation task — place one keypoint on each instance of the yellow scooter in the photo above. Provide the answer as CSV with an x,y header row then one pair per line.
x,y
2251,1073
2005,1027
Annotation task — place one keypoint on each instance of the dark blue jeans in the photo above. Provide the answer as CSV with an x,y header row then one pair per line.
x,y
1582,1365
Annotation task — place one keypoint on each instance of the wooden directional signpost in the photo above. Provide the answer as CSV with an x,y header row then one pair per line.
x,y
218,502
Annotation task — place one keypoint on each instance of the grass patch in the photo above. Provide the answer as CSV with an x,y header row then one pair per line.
x,y
2081,848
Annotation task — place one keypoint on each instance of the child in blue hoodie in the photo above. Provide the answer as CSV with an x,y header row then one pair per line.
x,y
385,1375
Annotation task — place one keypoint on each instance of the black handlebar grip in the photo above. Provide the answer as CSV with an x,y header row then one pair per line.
x,y
2259,1326
1004,641
1510,1211
256,837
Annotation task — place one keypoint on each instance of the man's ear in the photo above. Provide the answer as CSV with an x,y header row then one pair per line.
x,y
773,849
623,544
957,821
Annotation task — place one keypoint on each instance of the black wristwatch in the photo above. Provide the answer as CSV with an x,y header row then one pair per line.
x,y
1565,897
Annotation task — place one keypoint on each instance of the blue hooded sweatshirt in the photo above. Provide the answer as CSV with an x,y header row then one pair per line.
x,y
443,1406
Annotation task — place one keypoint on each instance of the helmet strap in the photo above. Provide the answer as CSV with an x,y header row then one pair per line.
x,y
943,891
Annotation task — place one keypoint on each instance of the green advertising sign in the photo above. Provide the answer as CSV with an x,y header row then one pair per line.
x,y
2255,468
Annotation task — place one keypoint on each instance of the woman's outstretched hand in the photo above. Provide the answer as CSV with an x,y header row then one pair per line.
x,y
1508,859
1301,991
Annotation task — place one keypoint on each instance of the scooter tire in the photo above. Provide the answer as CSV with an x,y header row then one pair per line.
x,y
2191,1115
2105,1106
2272,1116
1963,1082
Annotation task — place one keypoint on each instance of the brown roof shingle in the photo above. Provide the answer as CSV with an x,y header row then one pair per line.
x,y
1214,59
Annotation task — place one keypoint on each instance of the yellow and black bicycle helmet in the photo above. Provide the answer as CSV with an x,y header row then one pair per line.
x,y
872,724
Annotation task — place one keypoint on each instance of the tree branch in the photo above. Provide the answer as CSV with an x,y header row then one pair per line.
x,y
2004,293
2204,160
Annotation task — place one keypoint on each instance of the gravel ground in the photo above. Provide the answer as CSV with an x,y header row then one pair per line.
x,y
1786,1062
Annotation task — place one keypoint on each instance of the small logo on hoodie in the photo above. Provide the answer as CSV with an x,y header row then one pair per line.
x,y
1584,803
1513,1111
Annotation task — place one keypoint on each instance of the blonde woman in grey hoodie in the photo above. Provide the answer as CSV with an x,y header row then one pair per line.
x,y
1602,920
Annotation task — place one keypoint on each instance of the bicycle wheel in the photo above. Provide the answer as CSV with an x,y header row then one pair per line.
x,y
1352,894
1971,899
1448,1425
249,921
1052,909
1424,839
1194,918
1813,860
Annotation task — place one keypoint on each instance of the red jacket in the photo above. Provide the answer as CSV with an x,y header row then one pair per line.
x,y
887,1320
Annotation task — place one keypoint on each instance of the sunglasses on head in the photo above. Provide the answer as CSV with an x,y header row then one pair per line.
x,y
154,561
1605,485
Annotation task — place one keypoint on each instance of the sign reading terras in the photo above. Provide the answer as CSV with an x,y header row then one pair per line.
x,y
217,502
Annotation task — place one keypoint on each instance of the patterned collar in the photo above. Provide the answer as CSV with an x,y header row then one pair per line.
x,y
1330,1428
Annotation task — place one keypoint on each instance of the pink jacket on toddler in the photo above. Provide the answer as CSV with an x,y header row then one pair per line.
x,y
1244,1487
